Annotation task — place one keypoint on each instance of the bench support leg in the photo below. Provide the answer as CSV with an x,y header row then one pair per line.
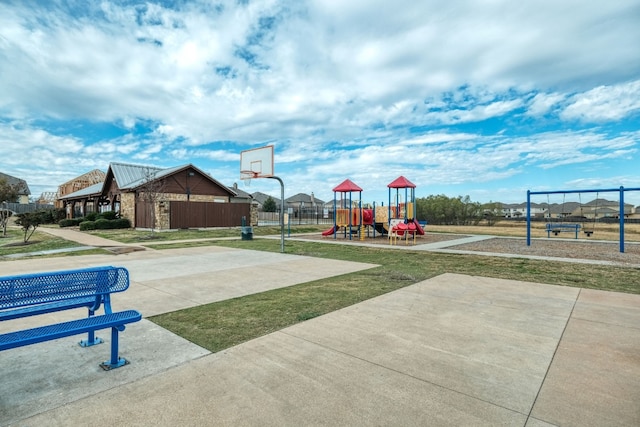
x,y
91,340
115,361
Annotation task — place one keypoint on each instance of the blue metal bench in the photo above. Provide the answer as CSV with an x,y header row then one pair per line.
x,y
35,294
559,228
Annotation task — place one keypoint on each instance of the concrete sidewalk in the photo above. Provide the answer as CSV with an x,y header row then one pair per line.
x,y
86,239
43,377
453,350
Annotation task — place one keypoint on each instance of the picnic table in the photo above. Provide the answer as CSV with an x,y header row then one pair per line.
x,y
556,229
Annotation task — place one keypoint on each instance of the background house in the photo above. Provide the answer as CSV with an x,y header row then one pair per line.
x,y
302,203
260,198
20,184
603,208
519,210
81,182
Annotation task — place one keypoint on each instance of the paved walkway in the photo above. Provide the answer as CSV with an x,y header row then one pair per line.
x,y
453,350
85,239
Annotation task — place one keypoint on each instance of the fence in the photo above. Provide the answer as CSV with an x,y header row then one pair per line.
x,y
203,214
315,215
19,208
573,219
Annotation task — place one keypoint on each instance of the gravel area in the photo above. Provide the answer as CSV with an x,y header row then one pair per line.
x,y
555,248
382,240
591,250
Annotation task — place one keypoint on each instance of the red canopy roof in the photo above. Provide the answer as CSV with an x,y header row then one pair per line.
x,y
401,182
347,185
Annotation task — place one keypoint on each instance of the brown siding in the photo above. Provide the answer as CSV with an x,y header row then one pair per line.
x,y
197,184
142,215
198,214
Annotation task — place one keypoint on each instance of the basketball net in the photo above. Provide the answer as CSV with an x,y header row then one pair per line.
x,y
246,177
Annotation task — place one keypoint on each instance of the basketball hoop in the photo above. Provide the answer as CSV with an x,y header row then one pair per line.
x,y
246,177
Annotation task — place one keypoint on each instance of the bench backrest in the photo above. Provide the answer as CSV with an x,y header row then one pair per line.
x,y
551,226
39,288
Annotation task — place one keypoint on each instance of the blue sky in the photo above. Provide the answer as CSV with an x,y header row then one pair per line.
x,y
486,98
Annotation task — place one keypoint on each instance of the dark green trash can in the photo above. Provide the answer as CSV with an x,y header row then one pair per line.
x,y
247,233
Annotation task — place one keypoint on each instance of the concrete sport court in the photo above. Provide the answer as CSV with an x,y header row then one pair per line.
x,y
452,350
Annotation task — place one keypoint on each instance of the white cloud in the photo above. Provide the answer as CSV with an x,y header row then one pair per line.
x,y
542,103
605,103
359,87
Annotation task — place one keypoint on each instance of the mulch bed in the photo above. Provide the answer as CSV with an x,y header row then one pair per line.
x,y
381,240
575,249
556,248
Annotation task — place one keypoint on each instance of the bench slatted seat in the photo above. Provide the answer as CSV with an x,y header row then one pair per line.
x,y
40,293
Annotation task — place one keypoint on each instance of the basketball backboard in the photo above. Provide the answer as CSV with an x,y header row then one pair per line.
x,y
256,163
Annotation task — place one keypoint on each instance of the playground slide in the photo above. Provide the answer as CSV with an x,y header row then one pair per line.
x,y
419,228
330,231
382,227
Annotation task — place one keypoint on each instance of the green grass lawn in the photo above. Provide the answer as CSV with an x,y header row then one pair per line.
x,y
147,237
40,241
223,324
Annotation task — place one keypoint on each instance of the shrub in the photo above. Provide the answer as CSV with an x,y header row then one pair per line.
x,y
52,216
58,214
91,216
103,224
87,225
73,222
110,215
122,223
65,222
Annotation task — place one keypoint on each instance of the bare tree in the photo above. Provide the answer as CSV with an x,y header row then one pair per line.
x,y
8,194
151,192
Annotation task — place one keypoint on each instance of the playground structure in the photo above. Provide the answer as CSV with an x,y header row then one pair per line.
x,y
558,227
346,217
409,226
396,220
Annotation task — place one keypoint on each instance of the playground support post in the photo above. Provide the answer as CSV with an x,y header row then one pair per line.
x,y
621,217
281,212
621,191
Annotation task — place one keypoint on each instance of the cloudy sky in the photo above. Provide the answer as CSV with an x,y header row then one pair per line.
x,y
486,98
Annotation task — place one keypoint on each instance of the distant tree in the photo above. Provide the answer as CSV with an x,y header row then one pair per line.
x,y
30,221
8,194
440,209
492,211
269,205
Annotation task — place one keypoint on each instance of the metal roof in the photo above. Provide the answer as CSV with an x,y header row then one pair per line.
x,y
92,190
130,176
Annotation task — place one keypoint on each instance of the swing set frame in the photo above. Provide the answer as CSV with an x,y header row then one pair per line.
x,y
620,191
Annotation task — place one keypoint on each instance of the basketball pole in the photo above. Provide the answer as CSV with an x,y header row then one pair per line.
x,y
281,212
